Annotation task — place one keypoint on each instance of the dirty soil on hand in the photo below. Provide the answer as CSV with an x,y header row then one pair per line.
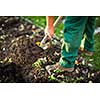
x,y
23,61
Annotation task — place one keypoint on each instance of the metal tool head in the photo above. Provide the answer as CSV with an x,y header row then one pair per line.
x,y
45,43
44,40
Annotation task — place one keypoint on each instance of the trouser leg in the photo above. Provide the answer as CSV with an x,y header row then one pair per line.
x,y
89,31
73,31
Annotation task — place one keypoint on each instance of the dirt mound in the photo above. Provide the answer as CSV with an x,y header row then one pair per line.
x,y
18,50
11,73
24,51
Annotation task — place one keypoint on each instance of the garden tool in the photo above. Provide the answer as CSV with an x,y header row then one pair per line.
x,y
45,39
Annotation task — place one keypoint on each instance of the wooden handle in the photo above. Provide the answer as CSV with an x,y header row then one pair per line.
x,y
57,21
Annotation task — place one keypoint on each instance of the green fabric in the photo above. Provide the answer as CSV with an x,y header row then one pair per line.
x,y
74,28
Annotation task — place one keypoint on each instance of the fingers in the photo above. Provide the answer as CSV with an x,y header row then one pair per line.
x,y
49,32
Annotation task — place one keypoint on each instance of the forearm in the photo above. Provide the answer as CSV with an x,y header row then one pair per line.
x,y
49,26
49,21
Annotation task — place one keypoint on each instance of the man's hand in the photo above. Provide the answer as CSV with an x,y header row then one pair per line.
x,y
49,32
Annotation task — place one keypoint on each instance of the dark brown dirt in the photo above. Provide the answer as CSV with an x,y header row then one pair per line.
x,y
18,50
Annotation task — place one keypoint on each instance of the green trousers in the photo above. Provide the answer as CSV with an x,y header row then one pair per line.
x,y
74,28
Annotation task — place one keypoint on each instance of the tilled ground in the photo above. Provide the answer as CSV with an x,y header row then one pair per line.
x,y
22,60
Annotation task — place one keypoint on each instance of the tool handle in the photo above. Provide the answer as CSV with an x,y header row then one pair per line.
x,y
57,21
44,39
